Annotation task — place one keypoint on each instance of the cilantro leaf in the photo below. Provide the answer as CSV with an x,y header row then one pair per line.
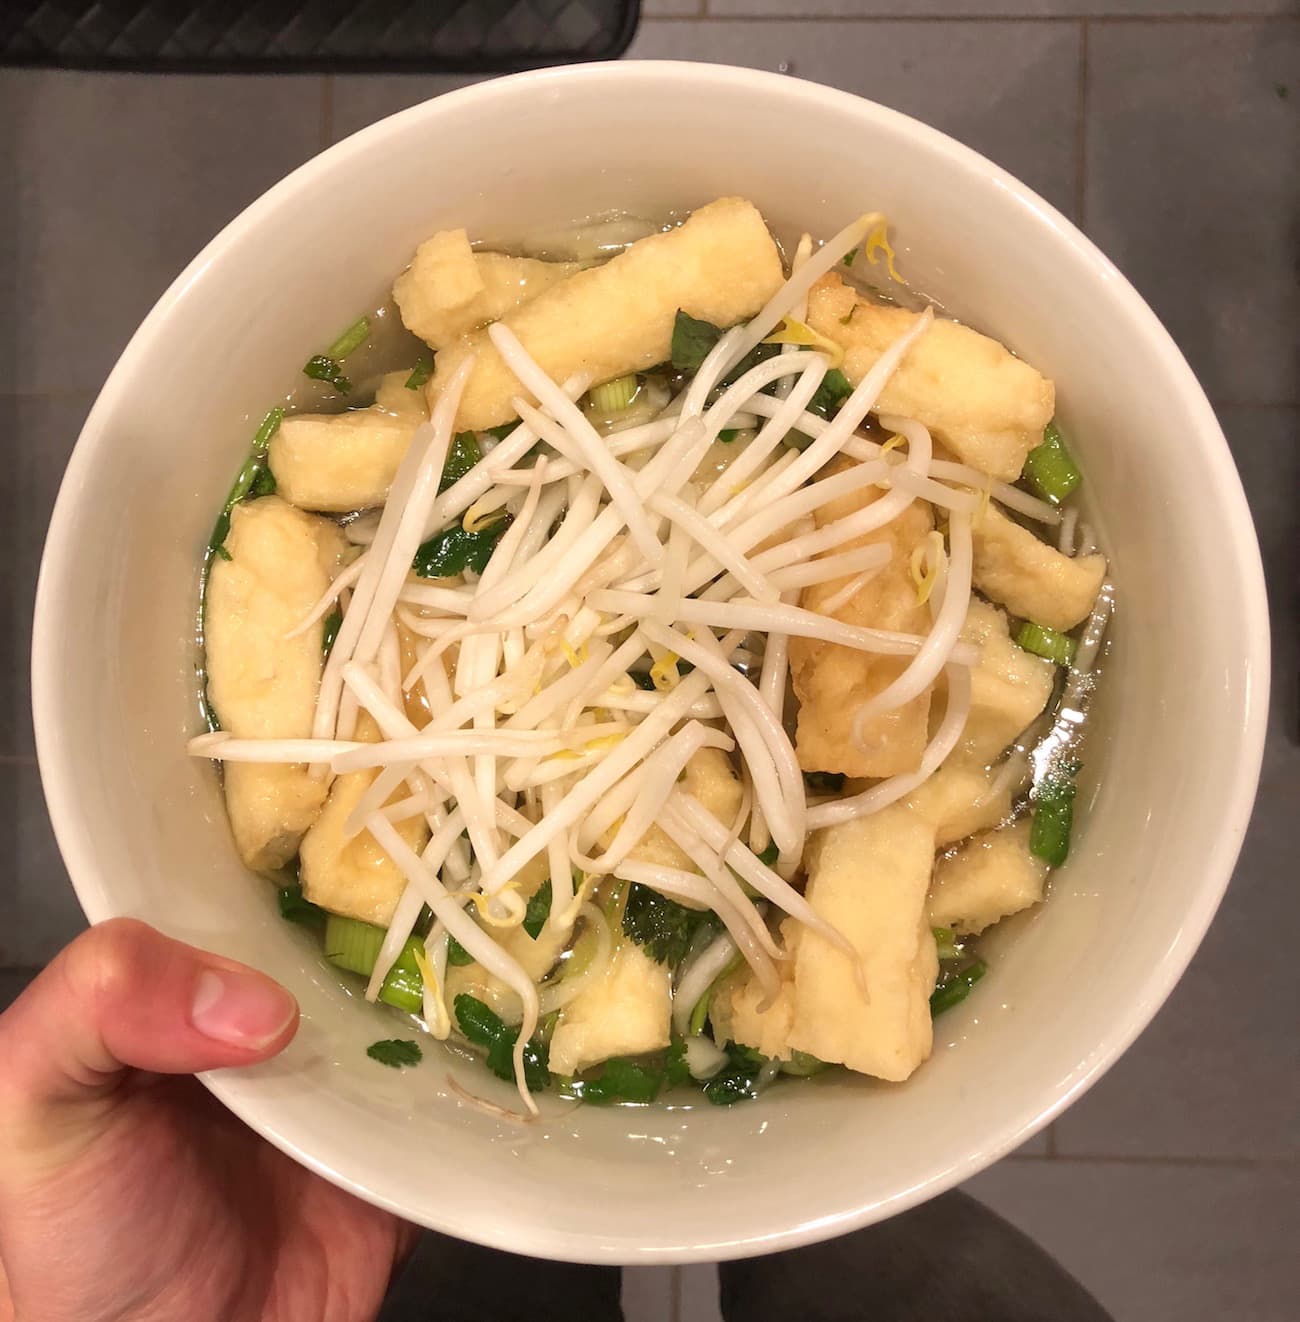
x,y
396,1052
662,927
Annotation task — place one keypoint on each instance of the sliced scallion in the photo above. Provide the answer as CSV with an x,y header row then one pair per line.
x,y
1050,469
420,373
614,396
1045,642
351,339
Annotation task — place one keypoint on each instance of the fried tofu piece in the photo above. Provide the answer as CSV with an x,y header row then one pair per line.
x,y
338,462
261,684
869,878
625,1012
958,800
722,265
737,1012
1009,687
831,681
986,405
990,877
711,779
1030,578
536,956
355,877
449,290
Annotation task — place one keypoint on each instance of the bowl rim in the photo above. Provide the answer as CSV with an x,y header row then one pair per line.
x,y
274,1121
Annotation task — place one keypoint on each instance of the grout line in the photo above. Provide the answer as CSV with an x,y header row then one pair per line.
x,y
326,110
1081,141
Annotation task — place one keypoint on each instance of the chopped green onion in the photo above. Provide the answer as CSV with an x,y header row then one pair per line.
x,y
323,368
454,550
296,908
351,339
770,854
946,943
539,909
1045,642
333,623
420,373
833,391
1050,469
462,455
395,1052
254,479
482,1026
1052,806
266,429
955,989
849,256
728,434
802,1066
353,945
614,396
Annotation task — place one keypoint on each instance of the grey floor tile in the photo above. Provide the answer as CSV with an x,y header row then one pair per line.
x,y
649,1294
37,437
938,72
698,1301
118,180
38,910
1007,89
671,8
1209,236
358,100
1215,1074
12,982
1160,1242
981,8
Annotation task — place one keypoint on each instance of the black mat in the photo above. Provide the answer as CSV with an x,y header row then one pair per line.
x,y
322,36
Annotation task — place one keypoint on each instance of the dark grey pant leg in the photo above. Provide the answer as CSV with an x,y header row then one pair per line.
x,y
447,1280
950,1260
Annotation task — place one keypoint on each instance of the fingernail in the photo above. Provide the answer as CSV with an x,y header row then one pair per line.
x,y
240,1008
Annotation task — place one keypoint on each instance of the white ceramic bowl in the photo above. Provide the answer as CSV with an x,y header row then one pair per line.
x,y
1177,744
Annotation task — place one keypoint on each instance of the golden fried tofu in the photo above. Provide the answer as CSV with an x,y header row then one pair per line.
x,y
1030,578
627,1011
1009,686
959,799
831,681
339,462
710,778
988,878
722,265
868,878
448,290
261,684
981,401
355,877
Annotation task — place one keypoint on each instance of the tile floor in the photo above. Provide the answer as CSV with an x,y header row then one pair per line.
x,y
1168,129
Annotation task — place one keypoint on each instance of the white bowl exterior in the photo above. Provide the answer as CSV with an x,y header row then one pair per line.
x,y
1178,737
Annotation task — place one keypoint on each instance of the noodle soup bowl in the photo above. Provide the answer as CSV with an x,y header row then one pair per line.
x,y
1164,801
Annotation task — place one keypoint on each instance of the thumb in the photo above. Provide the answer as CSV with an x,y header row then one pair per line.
x,y
124,996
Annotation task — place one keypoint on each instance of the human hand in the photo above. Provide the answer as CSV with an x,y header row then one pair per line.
x,y
127,1192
